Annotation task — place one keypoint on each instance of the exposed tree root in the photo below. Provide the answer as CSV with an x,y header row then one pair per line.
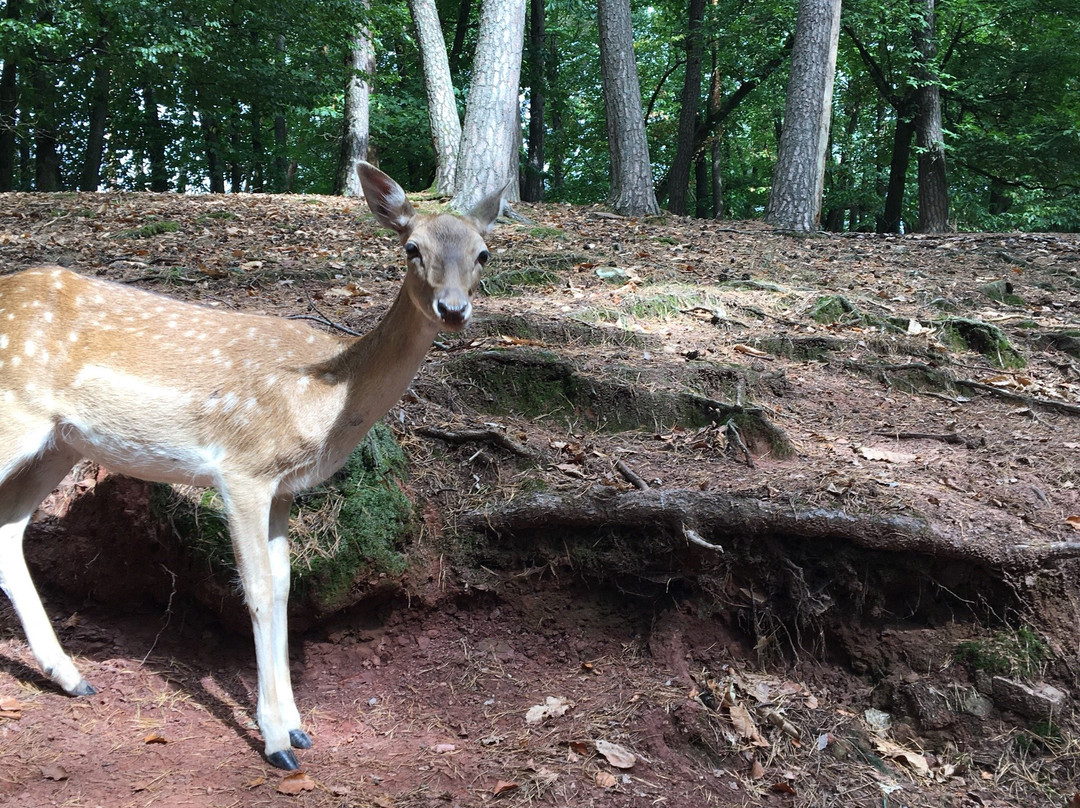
x,y
712,517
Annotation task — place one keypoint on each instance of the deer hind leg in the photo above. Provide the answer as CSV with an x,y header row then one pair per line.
x,y
249,504
27,475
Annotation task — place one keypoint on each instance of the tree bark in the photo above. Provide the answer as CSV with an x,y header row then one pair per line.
x,y
283,170
632,192
488,159
442,106
155,139
799,177
929,137
98,119
533,188
685,151
892,216
9,107
354,140
46,149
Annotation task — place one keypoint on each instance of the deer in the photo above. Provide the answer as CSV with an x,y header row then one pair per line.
x,y
258,407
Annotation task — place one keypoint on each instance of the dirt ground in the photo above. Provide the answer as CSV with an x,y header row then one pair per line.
x,y
851,584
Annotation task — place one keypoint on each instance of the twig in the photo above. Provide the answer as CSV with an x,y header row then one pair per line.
x,y
694,537
737,441
630,476
478,436
948,437
319,317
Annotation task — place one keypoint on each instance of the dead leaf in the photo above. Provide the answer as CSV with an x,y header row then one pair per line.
x,y
504,786
749,351
154,737
1073,522
908,757
1075,801
551,708
579,747
444,748
605,779
870,453
757,771
744,725
618,756
783,787
10,708
296,783
54,771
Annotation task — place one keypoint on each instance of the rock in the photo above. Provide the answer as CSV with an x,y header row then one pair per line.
x,y
972,702
1042,701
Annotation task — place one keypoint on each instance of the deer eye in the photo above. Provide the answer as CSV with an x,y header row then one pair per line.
x,y
412,251
482,257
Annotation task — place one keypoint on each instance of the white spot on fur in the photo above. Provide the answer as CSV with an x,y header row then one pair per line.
x,y
3,341
48,316
30,348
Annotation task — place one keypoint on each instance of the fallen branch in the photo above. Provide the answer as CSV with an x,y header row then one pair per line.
x,y
631,476
492,436
948,437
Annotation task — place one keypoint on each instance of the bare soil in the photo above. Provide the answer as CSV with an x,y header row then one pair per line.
x,y
766,605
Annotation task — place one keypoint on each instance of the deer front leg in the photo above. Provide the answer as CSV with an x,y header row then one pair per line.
x,y
24,482
249,504
281,570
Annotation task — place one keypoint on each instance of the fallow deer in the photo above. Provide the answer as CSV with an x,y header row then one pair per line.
x,y
257,407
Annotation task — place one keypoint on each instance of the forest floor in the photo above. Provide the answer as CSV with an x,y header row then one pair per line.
x,y
749,519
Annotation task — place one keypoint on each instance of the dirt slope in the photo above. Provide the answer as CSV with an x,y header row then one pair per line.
x,y
721,490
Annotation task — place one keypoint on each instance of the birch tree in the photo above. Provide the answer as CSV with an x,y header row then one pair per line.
x,y
360,63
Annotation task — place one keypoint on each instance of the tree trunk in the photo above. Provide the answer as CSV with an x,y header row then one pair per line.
x,y
215,161
488,159
632,191
929,137
462,25
155,140
98,117
9,107
799,177
354,141
892,217
679,178
46,148
442,106
283,170
701,187
555,140
533,189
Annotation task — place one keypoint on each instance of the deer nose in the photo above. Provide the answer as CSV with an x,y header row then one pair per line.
x,y
454,313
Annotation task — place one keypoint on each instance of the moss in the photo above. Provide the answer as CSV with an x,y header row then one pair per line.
x,y
974,335
514,282
1006,653
835,309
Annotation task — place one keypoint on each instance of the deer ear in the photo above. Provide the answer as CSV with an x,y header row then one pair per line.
x,y
488,209
386,199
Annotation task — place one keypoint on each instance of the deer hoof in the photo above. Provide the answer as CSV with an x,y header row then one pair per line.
x,y
83,688
299,739
283,760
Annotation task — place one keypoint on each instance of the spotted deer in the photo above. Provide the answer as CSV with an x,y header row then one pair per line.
x,y
257,407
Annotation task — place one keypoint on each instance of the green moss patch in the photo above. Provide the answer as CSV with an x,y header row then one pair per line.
x,y
150,229
961,334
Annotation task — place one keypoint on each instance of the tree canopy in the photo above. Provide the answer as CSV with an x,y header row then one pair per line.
x,y
204,95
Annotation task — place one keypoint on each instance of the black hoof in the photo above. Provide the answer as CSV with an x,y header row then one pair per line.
x,y
83,688
299,739
283,760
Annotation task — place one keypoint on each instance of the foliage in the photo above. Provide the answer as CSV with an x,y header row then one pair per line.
x,y
1006,653
253,94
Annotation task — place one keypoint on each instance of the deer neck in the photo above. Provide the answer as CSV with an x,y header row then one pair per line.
x,y
379,366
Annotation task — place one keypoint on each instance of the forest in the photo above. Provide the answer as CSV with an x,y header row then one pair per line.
x,y
198,96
